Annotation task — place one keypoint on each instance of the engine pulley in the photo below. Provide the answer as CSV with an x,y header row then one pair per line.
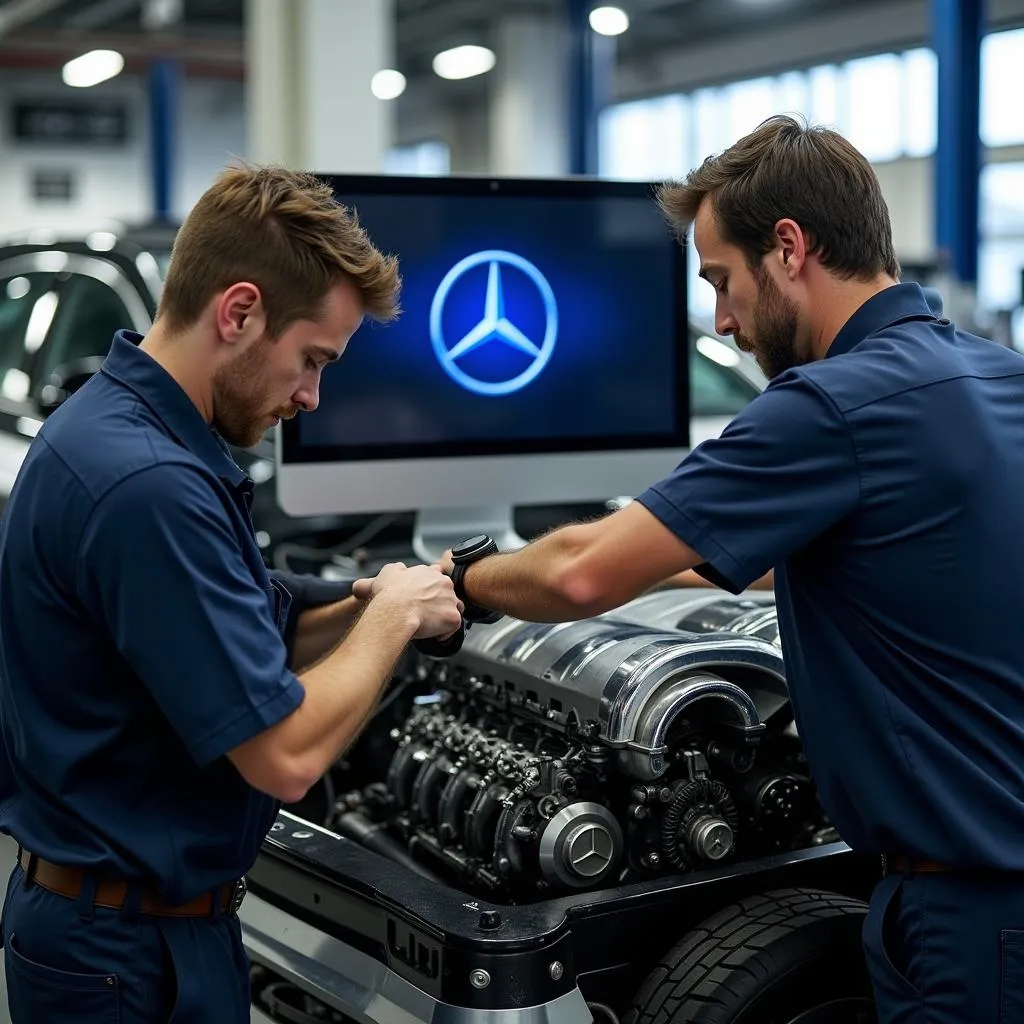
x,y
580,845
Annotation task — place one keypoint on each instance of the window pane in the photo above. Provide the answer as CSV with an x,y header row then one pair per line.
x,y
88,316
1000,265
1002,88
700,296
920,102
421,158
875,94
747,104
710,128
825,107
792,94
645,139
1002,200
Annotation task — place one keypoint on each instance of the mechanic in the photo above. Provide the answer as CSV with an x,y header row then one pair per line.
x,y
881,473
162,694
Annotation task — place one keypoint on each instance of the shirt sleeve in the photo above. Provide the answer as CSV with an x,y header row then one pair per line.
x,y
307,592
160,567
782,473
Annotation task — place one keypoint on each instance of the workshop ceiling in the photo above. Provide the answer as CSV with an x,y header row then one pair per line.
x,y
209,33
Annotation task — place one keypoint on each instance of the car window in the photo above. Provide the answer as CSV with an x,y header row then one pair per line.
x,y
88,316
717,390
27,303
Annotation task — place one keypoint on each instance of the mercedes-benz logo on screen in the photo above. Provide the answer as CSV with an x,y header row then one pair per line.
x,y
496,325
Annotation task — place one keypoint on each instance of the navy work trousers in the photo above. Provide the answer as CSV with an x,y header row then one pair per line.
x,y
66,960
947,948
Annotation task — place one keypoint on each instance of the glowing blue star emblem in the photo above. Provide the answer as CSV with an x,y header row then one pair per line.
x,y
495,327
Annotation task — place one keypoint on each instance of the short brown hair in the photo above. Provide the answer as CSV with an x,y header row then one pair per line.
x,y
283,231
784,169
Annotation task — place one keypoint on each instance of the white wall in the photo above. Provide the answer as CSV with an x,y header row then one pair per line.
x,y
114,183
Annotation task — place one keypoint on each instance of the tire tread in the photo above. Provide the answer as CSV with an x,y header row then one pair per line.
x,y
727,953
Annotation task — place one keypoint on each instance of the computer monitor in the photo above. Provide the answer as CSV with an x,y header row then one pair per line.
x,y
540,358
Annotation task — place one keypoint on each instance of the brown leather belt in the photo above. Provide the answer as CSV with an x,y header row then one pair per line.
x,y
112,893
912,865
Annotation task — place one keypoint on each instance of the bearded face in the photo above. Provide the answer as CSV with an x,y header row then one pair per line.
x,y
244,403
773,342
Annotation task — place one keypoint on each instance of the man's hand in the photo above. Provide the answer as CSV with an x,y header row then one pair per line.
x,y
426,592
447,563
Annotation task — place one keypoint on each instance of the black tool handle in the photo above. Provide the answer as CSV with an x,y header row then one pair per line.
x,y
433,647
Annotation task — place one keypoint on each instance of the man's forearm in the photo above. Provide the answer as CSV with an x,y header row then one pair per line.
x,y
320,630
343,689
538,582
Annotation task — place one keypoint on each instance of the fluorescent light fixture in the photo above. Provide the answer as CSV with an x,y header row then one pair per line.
x,y
609,21
387,84
92,68
717,351
463,62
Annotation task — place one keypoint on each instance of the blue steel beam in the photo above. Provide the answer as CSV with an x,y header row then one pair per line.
x,y
591,67
957,29
164,76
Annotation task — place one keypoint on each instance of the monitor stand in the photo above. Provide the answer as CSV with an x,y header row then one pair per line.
x,y
439,529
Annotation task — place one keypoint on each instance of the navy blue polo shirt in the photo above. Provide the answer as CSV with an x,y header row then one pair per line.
x,y
885,485
140,639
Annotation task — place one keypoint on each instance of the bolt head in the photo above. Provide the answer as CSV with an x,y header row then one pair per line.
x,y
556,970
479,978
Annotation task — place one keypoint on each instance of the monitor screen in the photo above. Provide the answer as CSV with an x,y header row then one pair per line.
x,y
541,320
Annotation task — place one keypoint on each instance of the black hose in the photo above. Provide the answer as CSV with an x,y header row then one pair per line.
x,y
372,835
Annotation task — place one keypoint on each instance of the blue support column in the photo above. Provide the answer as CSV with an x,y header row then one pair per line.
x,y
958,28
591,67
164,76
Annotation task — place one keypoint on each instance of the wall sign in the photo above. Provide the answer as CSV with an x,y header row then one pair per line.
x,y
99,123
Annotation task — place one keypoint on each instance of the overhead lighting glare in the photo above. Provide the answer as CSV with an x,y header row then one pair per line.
x,y
717,351
101,241
387,84
463,62
92,68
609,21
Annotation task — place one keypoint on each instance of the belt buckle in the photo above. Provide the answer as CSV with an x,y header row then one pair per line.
x,y
241,887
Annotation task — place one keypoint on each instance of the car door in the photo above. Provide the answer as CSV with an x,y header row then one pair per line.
x,y
57,309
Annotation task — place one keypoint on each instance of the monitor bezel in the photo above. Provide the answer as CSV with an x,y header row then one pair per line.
x,y
291,450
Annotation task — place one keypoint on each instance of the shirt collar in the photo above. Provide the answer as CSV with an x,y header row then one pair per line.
x,y
889,305
137,370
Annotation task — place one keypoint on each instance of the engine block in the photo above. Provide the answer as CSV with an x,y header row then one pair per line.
x,y
552,758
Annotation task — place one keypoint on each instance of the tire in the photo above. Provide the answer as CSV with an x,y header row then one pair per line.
x,y
791,956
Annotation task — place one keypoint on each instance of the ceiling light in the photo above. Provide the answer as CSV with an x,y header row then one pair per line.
x,y
387,84
609,21
463,62
92,68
